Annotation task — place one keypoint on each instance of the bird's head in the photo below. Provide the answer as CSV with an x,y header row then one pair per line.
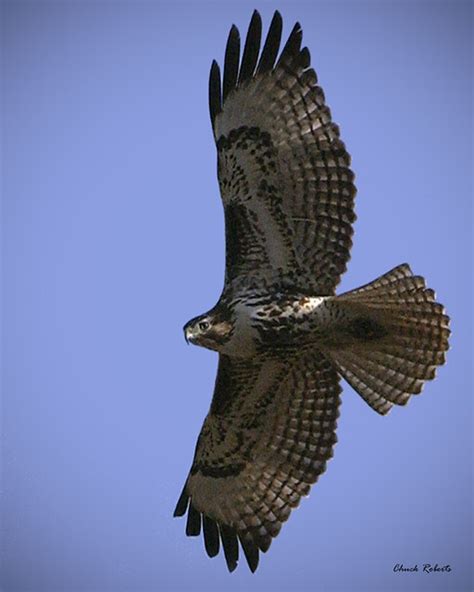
x,y
211,330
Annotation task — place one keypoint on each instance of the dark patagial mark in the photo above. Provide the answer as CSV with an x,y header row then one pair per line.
x,y
218,472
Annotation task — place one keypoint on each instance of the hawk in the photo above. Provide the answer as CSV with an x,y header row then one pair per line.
x,y
283,336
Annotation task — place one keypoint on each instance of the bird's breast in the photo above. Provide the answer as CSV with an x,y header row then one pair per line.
x,y
277,321
289,322
243,341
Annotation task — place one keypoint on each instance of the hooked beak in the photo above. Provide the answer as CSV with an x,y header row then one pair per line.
x,y
188,335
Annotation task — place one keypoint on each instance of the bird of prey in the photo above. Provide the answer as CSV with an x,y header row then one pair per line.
x,y
283,336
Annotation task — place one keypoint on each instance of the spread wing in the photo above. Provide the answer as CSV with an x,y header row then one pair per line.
x,y
266,439
284,173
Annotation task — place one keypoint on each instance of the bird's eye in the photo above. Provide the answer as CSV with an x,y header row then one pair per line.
x,y
203,326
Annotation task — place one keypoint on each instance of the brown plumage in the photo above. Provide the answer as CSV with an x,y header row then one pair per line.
x,y
284,338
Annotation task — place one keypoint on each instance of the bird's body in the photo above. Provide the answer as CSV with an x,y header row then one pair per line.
x,y
281,324
283,336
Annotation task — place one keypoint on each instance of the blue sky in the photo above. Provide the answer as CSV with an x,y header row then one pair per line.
x,y
113,238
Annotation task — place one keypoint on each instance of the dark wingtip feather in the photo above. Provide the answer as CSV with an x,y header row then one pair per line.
x,y
293,44
272,45
250,551
215,98
182,504
256,15
264,543
309,78
252,47
211,536
305,58
231,61
230,545
193,525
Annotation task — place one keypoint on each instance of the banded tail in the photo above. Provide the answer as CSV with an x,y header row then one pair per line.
x,y
400,335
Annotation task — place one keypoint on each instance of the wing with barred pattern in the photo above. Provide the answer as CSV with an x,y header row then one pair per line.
x,y
267,438
284,173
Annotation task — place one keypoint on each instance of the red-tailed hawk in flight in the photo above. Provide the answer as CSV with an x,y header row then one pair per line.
x,y
284,338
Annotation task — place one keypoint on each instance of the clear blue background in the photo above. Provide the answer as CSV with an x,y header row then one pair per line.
x,y
114,238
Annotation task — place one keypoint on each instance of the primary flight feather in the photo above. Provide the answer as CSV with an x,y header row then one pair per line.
x,y
284,338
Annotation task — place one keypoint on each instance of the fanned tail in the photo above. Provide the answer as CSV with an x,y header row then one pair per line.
x,y
399,337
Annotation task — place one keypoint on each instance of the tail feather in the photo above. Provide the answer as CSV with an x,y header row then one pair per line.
x,y
415,297
392,276
394,305
388,365
407,286
404,365
395,282
392,375
421,356
377,380
421,337
376,401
